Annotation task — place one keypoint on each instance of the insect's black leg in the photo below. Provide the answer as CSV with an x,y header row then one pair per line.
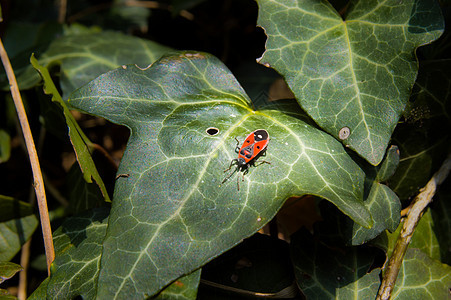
x,y
231,164
263,162
237,147
245,172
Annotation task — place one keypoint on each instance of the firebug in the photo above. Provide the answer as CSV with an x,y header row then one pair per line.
x,y
253,147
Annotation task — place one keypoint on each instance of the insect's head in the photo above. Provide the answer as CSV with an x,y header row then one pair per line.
x,y
241,162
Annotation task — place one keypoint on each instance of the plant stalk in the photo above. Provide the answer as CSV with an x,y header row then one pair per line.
x,y
420,203
38,182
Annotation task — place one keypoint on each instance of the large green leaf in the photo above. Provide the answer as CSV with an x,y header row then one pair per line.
x,y
352,76
17,224
171,212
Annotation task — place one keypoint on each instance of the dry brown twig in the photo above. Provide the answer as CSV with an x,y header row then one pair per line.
x,y
38,181
420,202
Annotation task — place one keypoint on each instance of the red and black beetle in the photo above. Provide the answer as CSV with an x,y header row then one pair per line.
x,y
253,146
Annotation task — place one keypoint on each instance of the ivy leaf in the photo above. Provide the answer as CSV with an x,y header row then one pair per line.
x,y
352,76
17,224
79,141
81,194
379,199
83,57
431,93
424,237
172,212
324,272
421,277
8,270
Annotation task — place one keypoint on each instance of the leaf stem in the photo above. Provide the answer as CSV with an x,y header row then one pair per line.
x,y
35,166
420,202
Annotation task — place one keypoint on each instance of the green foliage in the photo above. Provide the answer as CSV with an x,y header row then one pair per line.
x,y
17,224
354,72
79,141
7,270
74,272
168,108
422,278
175,214
84,56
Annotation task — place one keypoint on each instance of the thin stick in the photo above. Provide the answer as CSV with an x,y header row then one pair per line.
x,y
420,202
24,262
26,248
37,176
62,11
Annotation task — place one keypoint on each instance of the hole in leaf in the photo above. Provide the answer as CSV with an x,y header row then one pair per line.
x,y
212,131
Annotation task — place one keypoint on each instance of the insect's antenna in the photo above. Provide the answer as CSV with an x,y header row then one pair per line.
x,y
228,177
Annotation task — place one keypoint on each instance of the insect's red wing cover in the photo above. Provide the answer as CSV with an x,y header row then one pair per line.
x,y
261,138
259,147
249,140
254,144
247,148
